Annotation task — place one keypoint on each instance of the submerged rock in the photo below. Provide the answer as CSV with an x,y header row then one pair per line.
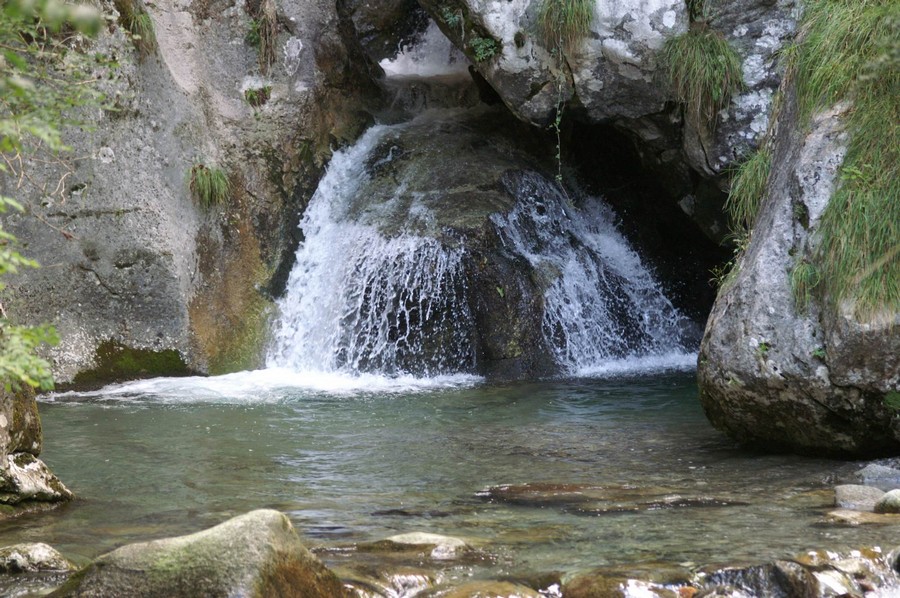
x,y
853,517
254,555
859,498
485,589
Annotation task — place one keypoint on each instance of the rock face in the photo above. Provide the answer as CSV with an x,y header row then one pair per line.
x,y
140,279
255,555
25,482
780,377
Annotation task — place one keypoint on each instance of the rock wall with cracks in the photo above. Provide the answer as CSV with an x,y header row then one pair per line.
x,y
138,278
615,76
778,375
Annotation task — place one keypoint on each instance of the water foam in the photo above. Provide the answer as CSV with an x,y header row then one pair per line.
x,y
432,55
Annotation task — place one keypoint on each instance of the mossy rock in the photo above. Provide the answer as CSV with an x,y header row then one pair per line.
x,y
117,363
257,554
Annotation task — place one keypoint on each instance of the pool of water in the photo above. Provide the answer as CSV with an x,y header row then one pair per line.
x,y
352,463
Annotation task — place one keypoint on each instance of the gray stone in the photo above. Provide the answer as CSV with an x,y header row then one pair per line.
x,y
780,378
858,498
852,517
486,589
889,503
880,476
24,477
33,558
130,258
254,555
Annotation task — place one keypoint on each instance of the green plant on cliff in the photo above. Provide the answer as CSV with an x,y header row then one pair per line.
x,y
209,184
747,188
43,83
562,24
805,279
703,71
483,48
848,51
134,18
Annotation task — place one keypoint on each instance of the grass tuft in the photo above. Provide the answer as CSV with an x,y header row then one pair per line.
x,y
848,51
704,70
747,189
257,96
562,24
134,18
804,280
209,184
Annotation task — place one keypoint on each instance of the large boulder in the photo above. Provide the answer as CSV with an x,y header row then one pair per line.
x,y
25,481
775,375
254,555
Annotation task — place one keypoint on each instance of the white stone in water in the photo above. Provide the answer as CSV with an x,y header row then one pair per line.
x,y
889,503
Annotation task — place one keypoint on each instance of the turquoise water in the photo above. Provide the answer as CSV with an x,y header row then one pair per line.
x,y
350,465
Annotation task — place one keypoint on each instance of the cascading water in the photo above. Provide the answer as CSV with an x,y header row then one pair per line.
x,y
603,309
358,301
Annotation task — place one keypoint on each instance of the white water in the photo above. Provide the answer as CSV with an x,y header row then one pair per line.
x,y
358,301
604,312
431,55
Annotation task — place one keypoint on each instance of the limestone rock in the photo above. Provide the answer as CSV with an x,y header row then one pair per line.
x,y
770,374
254,555
442,547
880,475
851,517
32,558
889,503
858,498
24,479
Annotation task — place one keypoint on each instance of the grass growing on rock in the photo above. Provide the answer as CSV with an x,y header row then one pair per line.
x,y
747,189
134,18
209,184
703,69
848,52
562,24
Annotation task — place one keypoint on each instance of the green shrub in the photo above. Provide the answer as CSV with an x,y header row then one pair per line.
x,y
848,51
209,184
258,96
453,18
703,70
562,24
747,189
134,18
483,48
252,38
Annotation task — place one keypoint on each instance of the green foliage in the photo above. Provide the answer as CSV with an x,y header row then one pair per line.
x,y
724,275
257,96
453,18
43,81
209,184
804,280
483,48
696,9
703,70
892,400
747,189
134,18
848,51
763,348
562,24
252,37
819,353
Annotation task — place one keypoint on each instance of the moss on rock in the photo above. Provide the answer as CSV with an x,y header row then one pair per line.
x,y
115,363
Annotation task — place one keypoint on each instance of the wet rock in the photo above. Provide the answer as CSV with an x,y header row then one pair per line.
x,y
601,586
487,589
880,475
441,547
889,503
24,479
855,497
255,555
850,517
33,558
365,581
781,578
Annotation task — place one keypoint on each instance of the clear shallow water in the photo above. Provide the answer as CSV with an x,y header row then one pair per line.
x,y
167,457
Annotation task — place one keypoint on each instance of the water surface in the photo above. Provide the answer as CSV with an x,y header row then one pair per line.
x,y
351,465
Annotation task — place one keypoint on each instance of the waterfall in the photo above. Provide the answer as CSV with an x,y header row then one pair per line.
x,y
358,301
430,56
602,305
